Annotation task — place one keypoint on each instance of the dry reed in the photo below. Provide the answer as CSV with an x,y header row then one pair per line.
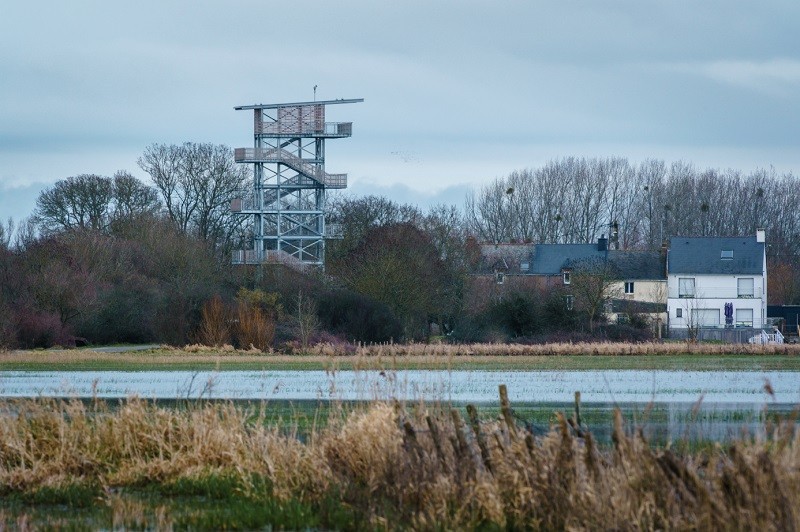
x,y
214,329
399,469
566,349
254,328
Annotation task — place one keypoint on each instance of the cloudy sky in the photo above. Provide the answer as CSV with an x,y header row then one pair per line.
x,y
456,92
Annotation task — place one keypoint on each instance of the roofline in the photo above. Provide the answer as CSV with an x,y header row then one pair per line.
x,y
296,104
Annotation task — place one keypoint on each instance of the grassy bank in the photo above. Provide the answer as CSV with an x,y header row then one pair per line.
x,y
651,356
381,467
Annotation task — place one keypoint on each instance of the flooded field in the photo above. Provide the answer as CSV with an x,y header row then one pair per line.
x,y
630,386
667,405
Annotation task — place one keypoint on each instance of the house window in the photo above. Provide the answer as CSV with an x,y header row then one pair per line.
x,y
704,317
744,317
569,301
686,287
499,278
678,312
629,287
727,254
745,287
566,278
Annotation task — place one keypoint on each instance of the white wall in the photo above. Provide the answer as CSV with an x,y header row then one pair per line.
x,y
712,292
648,291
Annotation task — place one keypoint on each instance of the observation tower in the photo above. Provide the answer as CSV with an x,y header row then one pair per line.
x,y
287,202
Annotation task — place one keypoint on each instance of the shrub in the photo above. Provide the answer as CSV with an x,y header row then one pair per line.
x,y
626,333
42,329
517,316
215,327
253,327
358,317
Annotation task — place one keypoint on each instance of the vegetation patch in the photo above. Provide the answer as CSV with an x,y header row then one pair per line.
x,y
584,356
221,465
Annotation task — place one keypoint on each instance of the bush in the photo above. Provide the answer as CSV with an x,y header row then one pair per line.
x,y
358,317
42,329
516,316
626,333
124,314
253,327
215,329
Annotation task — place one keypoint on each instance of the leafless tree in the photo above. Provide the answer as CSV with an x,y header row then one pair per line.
x,y
197,183
594,283
78,202
91,201
132,197
488,213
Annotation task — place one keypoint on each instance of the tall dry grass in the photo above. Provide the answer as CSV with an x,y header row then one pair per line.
x,y
420,469
214,328
254,328
565,349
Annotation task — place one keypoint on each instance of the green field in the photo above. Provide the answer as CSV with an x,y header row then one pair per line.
x,y
172,359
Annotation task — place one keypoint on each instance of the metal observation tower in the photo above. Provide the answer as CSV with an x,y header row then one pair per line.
x,y
289,182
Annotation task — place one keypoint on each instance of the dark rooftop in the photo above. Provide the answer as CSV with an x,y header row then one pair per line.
x,y
704,255
633,265
550,259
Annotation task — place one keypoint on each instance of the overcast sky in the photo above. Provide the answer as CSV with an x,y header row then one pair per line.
x,y
456,93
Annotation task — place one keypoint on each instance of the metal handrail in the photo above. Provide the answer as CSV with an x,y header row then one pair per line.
x,y
338,129
278,155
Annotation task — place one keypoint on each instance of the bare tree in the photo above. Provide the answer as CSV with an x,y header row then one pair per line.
x,y
594,283
132,197
489,213
90,201
78,202
306,319
197,183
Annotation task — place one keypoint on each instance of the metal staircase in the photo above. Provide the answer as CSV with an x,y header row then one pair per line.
x,y
287,203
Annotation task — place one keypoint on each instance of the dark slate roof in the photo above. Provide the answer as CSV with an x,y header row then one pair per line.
x,y
703,255
633,265
549,259
506,258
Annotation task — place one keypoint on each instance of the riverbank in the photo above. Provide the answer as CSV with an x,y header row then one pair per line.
x,y
568,357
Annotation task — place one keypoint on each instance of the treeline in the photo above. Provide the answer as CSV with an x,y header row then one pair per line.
x,y
575,200
641,206
112,259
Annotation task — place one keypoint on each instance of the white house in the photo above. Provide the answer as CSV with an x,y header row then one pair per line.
x,y
717,283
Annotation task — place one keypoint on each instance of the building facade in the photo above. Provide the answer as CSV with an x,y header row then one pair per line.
x,y
716,283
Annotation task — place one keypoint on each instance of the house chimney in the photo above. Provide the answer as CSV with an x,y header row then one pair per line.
x,y
602,243
761,236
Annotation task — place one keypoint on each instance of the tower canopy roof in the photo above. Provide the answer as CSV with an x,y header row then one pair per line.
x,y
297,104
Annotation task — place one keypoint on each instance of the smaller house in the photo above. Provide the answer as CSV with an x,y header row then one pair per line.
x,y
499,271
717,283
634,281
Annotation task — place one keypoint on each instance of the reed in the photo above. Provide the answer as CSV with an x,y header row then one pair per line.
x,y
442,350
388,467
